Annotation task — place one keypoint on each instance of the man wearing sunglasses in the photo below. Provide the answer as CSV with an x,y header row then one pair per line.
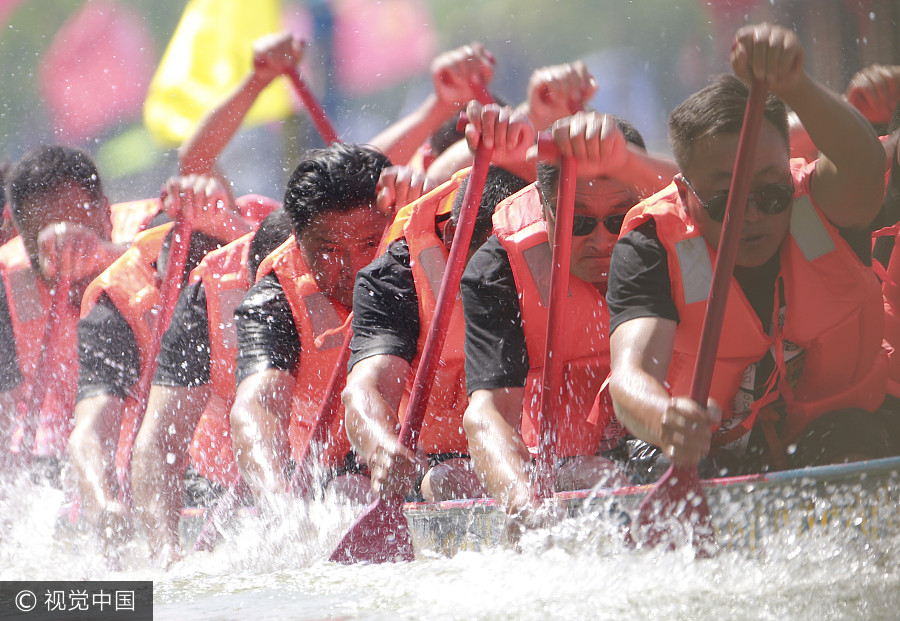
x,y
800,367
505,293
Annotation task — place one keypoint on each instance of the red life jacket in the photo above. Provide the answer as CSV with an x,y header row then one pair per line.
x,y
223,274
319,321
442,430
29,300
521,230
833,311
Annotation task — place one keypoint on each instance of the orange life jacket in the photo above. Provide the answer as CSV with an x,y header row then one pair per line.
x,y
319,321
521,230
29,300
442,427
223,275
832,310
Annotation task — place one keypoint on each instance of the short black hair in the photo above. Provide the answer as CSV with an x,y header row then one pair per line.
x,y
548,174
44,169
271,233
716,110
500,183
340,177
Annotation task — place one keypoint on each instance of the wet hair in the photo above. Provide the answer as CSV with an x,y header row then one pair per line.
x,y
43,170
200,246
271,233
338,178
716,110
500,183
548,174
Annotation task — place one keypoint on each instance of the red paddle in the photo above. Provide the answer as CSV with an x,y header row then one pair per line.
x,y
42,379
168,293
381,534
313,107
552,378
678,494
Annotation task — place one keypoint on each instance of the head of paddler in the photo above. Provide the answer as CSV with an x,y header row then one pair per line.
x,y
330,199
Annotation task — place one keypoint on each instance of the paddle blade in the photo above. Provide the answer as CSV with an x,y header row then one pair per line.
x,y
674,511
379,535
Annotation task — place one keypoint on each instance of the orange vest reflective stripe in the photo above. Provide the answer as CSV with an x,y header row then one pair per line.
x,y
833,310
521,230
318,320
442,428
223,274
29,299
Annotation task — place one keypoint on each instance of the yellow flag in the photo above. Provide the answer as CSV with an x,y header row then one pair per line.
x,y
209,54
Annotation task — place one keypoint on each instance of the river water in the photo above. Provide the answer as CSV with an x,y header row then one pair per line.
x,y
276,571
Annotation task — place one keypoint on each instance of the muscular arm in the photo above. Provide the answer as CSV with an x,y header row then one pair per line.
x,y
640,352
92,450
371,398
493,425
157,478
259,424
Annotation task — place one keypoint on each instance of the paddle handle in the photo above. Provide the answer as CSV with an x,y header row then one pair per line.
x,y
421,388
552,372
729,240
168,291
313,107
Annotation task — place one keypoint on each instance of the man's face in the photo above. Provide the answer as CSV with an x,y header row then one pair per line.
x,y
709,173
337,244
600,199
66,203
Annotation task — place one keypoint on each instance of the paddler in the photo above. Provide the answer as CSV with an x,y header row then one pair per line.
x,y
393,306
114,340
506,320
62,218
290,324
801,367
193,387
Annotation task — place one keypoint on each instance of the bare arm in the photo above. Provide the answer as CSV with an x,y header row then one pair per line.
x,y
493,424
157,468
453,74
848,183
92,454
259,425
640,352
371,398
273,54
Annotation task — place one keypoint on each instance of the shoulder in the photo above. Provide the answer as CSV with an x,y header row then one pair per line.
x,y
490,264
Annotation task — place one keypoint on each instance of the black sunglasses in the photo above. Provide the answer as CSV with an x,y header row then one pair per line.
x,y
769,199
585,225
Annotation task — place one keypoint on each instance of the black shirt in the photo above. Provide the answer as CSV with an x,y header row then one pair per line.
x,y
10,376
496,353
184,354
385,307
107,352
267,335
